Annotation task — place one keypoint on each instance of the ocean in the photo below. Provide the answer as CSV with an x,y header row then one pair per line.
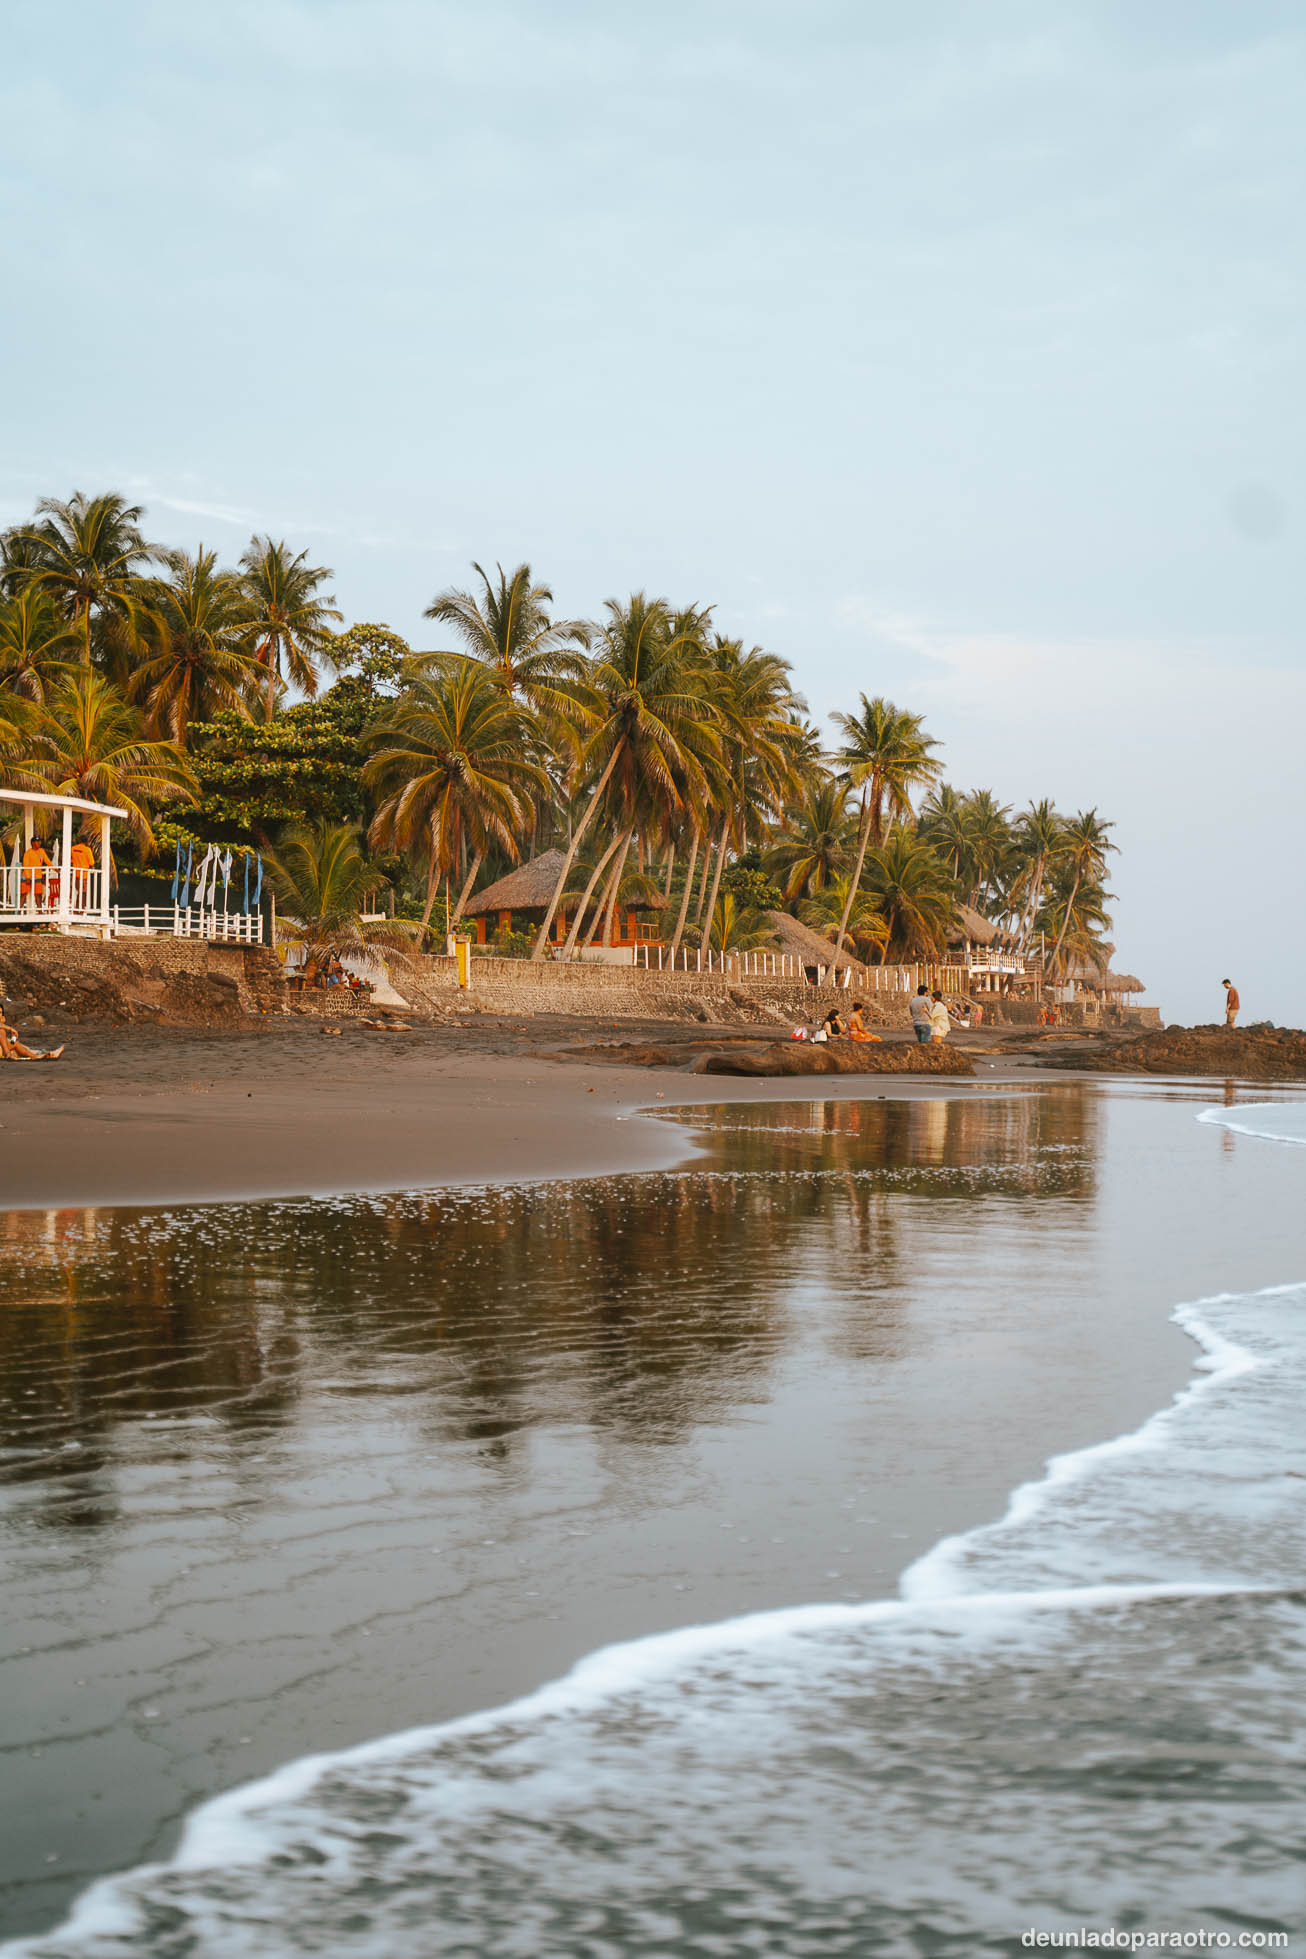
x,y
1081,1715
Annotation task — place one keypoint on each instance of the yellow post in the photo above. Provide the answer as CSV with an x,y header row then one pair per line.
x,y
463,953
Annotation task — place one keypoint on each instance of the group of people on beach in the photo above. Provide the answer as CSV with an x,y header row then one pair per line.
x,y
835,1028
929,1015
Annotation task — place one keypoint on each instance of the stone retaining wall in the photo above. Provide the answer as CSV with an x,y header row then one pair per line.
x,y
142,979
522,987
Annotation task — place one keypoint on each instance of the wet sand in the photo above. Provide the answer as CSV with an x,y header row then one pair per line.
x,y
170,1116
286,1477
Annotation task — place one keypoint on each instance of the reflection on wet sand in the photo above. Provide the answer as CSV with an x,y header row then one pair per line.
x,y
631,1305
279,1475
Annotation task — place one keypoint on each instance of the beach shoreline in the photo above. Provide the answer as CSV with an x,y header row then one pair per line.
x,y
170,1116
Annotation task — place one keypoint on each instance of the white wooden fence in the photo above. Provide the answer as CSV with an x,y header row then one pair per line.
x,y
187,922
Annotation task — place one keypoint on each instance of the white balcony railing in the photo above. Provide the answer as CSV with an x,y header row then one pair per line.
x,y
35,894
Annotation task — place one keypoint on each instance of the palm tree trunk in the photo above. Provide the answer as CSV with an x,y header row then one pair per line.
x,y
671,871
272,678
863,840
478,858
609,886
684,898
432,886
703,883
616,888
1065,923
578,833
1035,893
586,895
716,875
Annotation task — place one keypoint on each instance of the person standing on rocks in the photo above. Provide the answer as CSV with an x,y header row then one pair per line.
x,y
1231,1003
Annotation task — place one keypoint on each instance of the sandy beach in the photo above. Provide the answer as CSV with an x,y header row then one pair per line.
x,y
171,1115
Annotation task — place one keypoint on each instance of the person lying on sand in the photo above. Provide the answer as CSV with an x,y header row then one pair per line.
x,y
12,1049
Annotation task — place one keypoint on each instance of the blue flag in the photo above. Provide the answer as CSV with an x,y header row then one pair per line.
x,y
258,892
176,875
190,865
246,905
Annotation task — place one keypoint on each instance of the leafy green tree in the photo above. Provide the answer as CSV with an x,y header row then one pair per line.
x,y
86,554
886,753
197,631
289,615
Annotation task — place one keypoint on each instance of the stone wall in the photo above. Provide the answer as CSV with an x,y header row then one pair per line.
x,y
523,987
141,980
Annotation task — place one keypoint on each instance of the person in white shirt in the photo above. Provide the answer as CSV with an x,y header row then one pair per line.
x,y
920,1010
940,1025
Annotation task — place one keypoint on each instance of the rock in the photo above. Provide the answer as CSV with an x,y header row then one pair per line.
x,y
804,1059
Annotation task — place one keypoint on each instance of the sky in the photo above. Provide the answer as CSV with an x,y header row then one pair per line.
x,y
952,351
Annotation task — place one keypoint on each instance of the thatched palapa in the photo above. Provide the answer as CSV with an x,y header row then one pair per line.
x,y
808,946
529,888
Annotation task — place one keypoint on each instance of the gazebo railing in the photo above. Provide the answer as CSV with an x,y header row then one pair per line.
x,y
35,892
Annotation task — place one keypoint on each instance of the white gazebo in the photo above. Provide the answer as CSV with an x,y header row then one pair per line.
x,y
68,897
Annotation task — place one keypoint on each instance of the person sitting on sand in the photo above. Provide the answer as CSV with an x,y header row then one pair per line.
x,y
12,1049
834,1025
940,1025
1231,1003
857,1028
920,1014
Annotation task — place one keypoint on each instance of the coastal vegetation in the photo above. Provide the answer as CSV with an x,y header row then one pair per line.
x,y
669,768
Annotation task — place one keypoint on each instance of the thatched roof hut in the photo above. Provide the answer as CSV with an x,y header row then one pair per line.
x,y
528,888
808,946
972,928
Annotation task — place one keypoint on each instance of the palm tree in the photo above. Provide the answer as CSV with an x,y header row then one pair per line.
x,y
323,880
449,767
812,841
38,646
913,893
646,737
867,931
737,928
1039,835
1084,850
988,841
197,629
85,554
289,620
507,626
763,739
94,744
886,753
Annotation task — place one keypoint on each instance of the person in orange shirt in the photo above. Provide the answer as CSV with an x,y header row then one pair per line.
x,y
1231,1003
81,859
857,1027
36,867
